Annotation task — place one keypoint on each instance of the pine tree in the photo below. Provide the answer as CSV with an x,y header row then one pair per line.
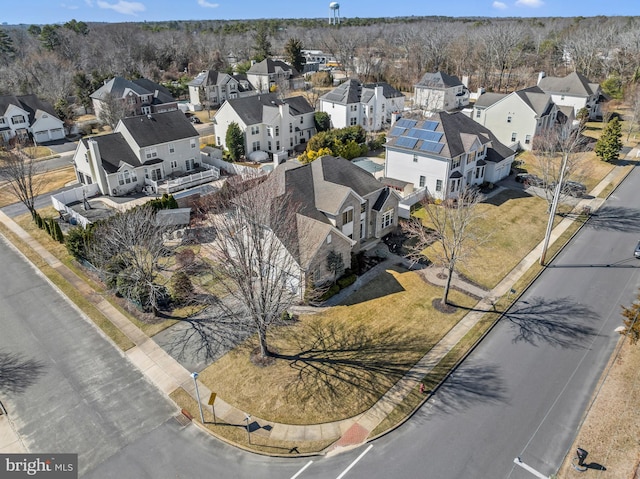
x,y
293,54
609,145
235,141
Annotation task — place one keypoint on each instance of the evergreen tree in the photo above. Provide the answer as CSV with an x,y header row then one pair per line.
x,y
235,141
6,44
322,121
262,45
49,37
608,146
293,54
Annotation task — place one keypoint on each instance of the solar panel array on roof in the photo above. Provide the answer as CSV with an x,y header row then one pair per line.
x,y
406,123
406,142
432,147
424,134
430,125
397,131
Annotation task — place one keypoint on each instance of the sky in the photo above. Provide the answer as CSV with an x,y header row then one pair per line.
x,y
60,11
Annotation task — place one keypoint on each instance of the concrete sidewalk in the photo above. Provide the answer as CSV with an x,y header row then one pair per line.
x,y
168,375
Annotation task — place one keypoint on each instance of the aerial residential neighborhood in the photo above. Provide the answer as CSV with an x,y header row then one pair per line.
x,y
307,241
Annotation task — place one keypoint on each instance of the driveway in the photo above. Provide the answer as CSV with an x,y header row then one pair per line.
x,y
61,146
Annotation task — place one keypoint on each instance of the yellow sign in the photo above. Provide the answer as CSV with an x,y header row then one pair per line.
x,y
211,399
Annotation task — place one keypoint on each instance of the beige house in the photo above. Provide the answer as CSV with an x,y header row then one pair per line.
x,y
268,74
575,91
439,91
516,118
211,88
342,209
139,97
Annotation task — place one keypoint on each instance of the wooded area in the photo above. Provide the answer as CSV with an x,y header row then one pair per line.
x,y
59,61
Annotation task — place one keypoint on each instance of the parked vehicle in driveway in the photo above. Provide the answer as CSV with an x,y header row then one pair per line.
x,y
527,179
636,252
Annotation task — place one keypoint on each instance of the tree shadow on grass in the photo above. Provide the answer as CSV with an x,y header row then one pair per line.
x,y
384,284
17,373
615,218
335,359
558,322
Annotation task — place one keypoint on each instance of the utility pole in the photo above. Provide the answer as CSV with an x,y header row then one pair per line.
x,y
554,207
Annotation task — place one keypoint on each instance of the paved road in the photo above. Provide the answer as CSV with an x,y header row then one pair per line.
x,y
67,389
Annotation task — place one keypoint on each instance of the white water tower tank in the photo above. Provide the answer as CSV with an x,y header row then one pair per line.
x,y
334,14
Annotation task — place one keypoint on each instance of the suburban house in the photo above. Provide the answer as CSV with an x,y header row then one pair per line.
x,y
439,91
139,96
142,151
341,208
370,105
516,118
573,90
211,88
265,76
24,115
270,125
444,154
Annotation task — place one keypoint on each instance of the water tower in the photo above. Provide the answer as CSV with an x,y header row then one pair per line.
x,y
334,13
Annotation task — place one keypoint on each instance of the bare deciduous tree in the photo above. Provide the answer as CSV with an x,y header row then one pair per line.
x,y
450,227
127,249
256,253
113,110
21,172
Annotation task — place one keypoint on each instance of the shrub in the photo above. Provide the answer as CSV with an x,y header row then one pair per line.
x,y
77,241
181,287
347,281
332,291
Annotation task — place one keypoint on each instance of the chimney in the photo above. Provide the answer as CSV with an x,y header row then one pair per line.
x,y
155,94
465,81
541,75
480,91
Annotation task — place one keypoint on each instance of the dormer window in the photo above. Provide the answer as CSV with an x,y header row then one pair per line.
x,y
18,119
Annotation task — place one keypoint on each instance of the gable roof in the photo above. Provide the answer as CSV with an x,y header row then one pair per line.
x,y
387,90
29,103
574,84
458,133
268,66
114,149
141,86
438,80
251,109
212,77
352,91
158,128
536,99
488,99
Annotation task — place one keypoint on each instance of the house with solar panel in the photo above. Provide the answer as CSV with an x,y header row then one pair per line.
x,y
370,105
440,92
444,154
518,117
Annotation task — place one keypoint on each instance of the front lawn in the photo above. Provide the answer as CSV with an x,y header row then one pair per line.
x,y
338,363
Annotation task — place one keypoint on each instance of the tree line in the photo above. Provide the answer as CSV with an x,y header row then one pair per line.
x,y
60,61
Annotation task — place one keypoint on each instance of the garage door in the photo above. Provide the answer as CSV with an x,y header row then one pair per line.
x,y
56,134
41,136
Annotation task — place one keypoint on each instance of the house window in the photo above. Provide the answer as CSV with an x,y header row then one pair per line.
x,y
387,218
291,142
146,110
218,141
190,164
132,100
172,148
363,207
513,136
301,120
382,107
277,131
18,119
151,153
509,119
455,163
353,121
255,145
328,239
193,143
527,139
472,156
561,97
438,185
89,180
126,177
269,145
371,110
174,164
255,130
347,216
2,120
278,145
80,177
477,113
354,107
423,180
290,127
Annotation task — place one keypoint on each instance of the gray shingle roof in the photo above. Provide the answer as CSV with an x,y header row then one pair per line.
x,y
438,80
352,91
488,99
29,103
536,99
159,128
163,96
387,90
117,86
114,149
250,109
574,84
268,65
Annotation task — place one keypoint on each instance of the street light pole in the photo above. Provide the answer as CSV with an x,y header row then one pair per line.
x,y
194,375
246,418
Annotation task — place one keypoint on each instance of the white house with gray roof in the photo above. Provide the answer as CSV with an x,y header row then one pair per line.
x,y
140,96
516,118
370,105
573,90
142,150
212,88
267,75
269,124
24,115
444,154
440,92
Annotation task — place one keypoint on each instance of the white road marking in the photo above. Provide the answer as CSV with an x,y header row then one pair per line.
x,y
355,462
526,467
301,470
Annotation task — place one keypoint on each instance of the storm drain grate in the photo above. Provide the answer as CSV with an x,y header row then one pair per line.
x,y
182,419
